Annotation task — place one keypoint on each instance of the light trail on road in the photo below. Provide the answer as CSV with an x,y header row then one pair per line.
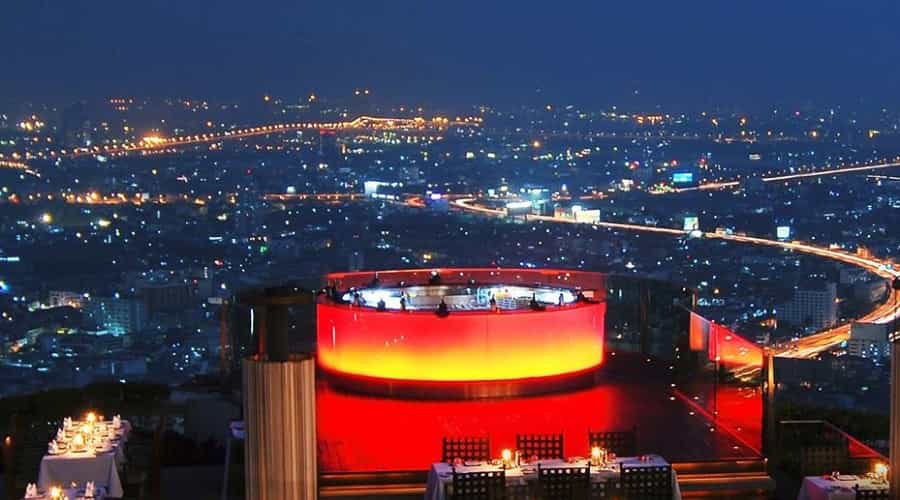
x,y
847,169
18,165
806,347
152,143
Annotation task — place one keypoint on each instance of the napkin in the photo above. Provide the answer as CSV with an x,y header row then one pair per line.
x,y
60,435
31,491
117,421
67,422
89,490
54,448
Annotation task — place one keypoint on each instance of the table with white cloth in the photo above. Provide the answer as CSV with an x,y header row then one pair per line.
x,y
71,494
842,488
101,467
441,473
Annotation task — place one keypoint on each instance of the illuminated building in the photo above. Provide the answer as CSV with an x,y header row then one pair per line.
x,y
869,340
529,328
812,307
62,298
118,315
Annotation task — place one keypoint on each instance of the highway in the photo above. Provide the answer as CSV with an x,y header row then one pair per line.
x,y
806,347
18,165
845,169
151,143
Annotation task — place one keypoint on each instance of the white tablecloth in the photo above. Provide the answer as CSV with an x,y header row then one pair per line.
x,y
74,493
101,468
822,488
441,474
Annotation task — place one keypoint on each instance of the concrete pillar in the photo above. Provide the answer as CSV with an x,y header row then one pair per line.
x,y
770,446
895,420
644,315
277,344
9,455
280,423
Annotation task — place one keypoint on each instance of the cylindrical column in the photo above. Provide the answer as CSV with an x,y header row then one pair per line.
x,y
895,420
277,345
769,437
9,455
280,422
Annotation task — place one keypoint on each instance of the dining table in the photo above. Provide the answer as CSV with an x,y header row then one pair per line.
x,y
76,493
838,487
441,474
101,465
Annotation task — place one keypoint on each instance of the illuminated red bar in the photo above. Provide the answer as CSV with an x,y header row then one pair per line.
x,y
465,346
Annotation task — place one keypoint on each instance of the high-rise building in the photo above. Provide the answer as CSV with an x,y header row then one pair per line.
x,y
172,296
64,298
118,315
75,126
328,145
869,340
812,307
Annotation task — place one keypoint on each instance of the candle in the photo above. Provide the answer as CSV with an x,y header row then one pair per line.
x,y
881,471
507,457
78,441
55,492
596,453
91,417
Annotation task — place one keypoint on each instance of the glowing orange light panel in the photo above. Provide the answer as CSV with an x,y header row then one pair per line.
x,y
464,346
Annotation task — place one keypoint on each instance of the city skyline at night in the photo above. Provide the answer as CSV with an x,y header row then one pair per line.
x,y
317,250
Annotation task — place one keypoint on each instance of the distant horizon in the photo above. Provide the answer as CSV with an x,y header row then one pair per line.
x,y
434,106
695,56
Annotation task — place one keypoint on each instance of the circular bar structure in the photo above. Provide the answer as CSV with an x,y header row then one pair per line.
x,y
461,332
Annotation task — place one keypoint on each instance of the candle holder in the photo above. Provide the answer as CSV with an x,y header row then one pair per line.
x,y
881,471
78,442
598,456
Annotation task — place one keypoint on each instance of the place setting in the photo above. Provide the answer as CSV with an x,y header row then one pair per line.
x,y
538,465
89,491
88,451
837,486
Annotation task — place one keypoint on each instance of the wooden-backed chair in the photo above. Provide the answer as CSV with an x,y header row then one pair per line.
x,y
622,443
650,482
466,448
544,446
871,493
481,485
564,483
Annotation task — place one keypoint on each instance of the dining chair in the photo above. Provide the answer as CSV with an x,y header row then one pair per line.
x,y
622,443
869,493
564,483
480,485
544,446
466,448
646,482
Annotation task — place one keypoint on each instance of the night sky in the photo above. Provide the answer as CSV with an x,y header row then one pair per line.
x,y
681,53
